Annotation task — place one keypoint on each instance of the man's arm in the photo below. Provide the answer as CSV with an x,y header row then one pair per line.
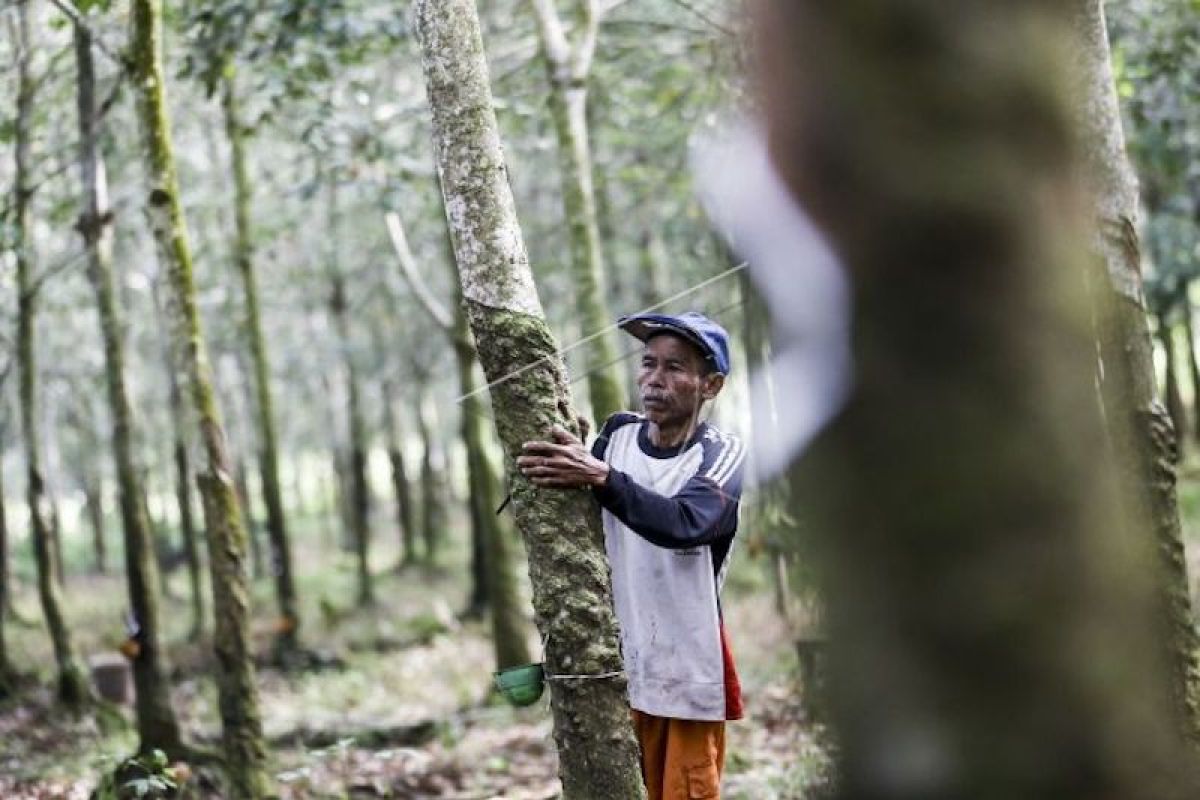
x,y
700,512
695,515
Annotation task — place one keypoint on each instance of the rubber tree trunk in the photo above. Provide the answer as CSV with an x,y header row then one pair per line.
x,y
241,482
157,724
509,637
994,627
181,460
268,455
1174,408
7,674
568,65
183,498
1144,443
433,484
359,488
1193,365
73,688
572,595
58,564
93,504
406,510
242,737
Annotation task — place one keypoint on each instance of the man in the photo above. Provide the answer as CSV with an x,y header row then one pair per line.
x,y
669,486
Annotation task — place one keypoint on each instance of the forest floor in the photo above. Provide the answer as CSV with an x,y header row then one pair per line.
x,y
409,715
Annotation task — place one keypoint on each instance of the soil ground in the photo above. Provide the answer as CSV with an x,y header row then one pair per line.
x,y
408,661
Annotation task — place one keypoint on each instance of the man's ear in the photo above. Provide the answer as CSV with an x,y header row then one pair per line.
x,y
711,385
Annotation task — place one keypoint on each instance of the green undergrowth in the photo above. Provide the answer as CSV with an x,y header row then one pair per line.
x,y
407,661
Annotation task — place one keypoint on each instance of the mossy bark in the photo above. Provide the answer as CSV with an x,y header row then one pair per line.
x,y
157,724
568,65
237,694
598,754
994,627
509,638
73,688
1144,443
268,459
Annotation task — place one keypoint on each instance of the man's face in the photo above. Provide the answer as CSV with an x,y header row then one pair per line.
x,y
672,382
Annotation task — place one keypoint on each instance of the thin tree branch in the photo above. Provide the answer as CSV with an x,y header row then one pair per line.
x,y
703,17
586,48
72,13
554,38
408,265
58,268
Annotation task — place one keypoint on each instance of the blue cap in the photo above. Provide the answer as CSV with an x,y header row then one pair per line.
x,y
698,329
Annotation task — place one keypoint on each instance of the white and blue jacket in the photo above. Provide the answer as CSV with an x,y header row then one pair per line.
x,y
670,516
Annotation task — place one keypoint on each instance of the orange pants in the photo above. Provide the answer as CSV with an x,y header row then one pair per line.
x,y
682,759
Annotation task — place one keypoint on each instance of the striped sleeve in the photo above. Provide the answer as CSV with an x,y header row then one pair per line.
x,y
702,511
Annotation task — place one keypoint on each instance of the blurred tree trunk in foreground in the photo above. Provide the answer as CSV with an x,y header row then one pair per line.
x,y
994,623
1144,443
73,687
157,724
280,564
572,598
242,736
568,64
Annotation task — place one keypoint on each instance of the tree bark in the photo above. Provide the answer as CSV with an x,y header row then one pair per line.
x,y
6,670
241,482
991,571
242,736
1146,437
1193,365
360,492
183,496
157,724
93,504
181,459
568,65
493,585
406,510
568,571
73,688
268,459
510,644
433,485
1174,409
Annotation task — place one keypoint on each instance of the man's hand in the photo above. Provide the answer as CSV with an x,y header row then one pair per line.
x,y
565,462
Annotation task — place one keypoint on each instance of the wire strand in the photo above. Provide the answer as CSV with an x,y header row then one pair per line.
x,y
590,337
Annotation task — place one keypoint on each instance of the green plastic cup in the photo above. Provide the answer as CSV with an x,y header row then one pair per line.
x,y
521,686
